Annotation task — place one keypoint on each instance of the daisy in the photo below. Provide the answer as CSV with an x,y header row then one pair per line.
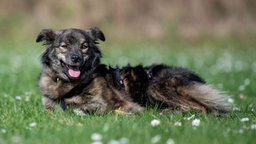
x,y
170,141
113,142
79,112
3,131
97,142
253,126
156,139
244,119
247,81
236,109
155,122
124,140
196,122
242,87
230,100
96,137
178,123
33,124
18,97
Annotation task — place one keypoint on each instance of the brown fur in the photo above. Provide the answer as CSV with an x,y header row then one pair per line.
x,y
72,73
172,88
52,88
101,95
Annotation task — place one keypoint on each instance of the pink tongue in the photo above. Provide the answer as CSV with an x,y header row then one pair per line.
x,y
74,73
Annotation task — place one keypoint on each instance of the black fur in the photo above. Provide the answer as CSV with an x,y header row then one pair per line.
x,y
173,88
136,82
184,75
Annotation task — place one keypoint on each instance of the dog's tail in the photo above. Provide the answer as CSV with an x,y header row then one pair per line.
x,y
208,97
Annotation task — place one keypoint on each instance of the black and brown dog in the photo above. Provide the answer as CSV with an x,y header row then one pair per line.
x,y
72,73
172,88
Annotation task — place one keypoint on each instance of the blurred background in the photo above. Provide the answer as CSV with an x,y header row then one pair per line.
x,y
131,20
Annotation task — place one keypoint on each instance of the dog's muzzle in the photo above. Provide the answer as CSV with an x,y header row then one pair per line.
x,y
73,69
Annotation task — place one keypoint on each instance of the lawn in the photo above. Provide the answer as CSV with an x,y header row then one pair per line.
x,y
230,66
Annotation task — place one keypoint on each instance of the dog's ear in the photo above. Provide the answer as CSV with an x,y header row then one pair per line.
x,y
95,34
47,35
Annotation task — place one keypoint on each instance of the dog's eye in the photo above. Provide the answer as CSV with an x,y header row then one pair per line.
x,y
63,46
84,46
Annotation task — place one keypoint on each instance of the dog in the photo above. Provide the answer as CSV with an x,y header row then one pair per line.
x,y
71,69
172,88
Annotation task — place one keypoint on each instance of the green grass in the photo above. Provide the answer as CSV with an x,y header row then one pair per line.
x,y
230,66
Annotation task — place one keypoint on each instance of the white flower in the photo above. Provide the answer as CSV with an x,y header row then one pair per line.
x,y
155,122
253,126
124,140
79,112
170,141
18,97
236,109
33,124
120,141
113,142
247,81
242,87
97,142
196,122
156,139
189,118
178,123
230,100
244,119
96,137
3,131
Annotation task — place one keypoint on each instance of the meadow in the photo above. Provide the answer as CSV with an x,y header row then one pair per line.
x,y
229,65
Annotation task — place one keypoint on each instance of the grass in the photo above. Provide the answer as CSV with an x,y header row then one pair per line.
x,y
229,66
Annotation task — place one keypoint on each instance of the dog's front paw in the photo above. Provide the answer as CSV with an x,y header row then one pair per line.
x,y
48,103
130,108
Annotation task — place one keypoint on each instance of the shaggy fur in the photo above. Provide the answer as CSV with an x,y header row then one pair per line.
x,y
71,68
102,94
172,88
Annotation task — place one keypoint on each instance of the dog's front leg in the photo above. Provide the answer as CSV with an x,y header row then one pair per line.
x,y
52,90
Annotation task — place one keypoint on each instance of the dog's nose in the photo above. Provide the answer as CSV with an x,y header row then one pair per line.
x,y
75,58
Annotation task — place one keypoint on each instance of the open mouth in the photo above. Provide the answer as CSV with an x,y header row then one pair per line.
x,y
73,70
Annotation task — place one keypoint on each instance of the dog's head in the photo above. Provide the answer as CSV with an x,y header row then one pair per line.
x,y
71,53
